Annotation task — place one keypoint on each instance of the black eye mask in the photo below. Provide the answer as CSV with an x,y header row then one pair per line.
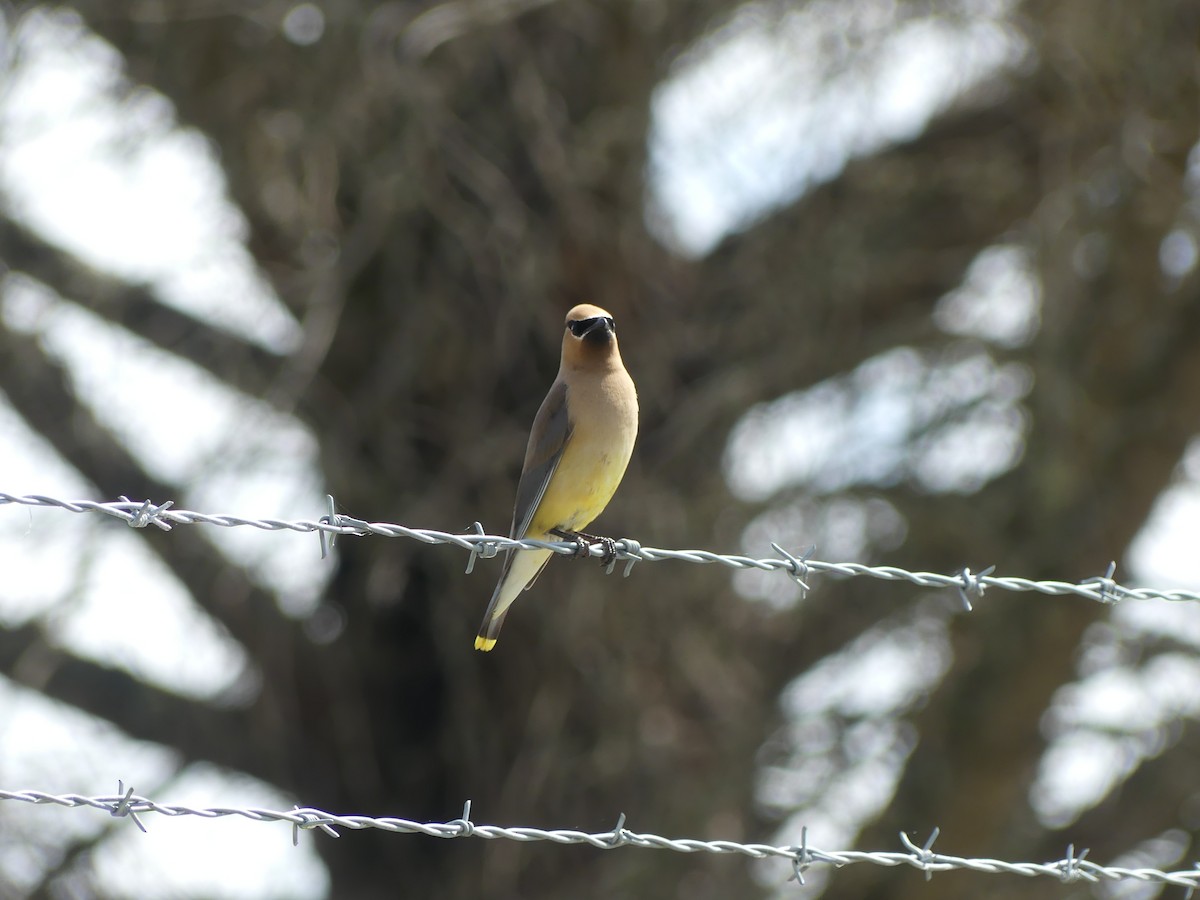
x,y
580,327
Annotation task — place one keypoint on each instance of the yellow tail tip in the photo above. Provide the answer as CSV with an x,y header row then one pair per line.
x,y
484,643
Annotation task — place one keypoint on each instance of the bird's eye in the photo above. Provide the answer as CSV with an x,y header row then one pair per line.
x,y
612,325
579,327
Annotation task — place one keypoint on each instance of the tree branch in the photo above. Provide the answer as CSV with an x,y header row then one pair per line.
x,y
238,363
39,390
196,730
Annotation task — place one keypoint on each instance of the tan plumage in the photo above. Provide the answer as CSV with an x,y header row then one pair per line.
x,y
578,449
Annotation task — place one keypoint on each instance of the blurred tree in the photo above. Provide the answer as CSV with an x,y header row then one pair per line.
x,y
429,188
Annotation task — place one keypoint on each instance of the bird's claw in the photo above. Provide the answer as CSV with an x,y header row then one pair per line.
x,y
583,547
583,543
610,551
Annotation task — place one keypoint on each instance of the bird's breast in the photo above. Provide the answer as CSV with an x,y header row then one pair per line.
x,y
604,427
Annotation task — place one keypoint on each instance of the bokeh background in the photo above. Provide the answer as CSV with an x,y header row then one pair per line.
x,y
914,282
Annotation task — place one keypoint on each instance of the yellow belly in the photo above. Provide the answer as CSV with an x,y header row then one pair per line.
x,y
581,487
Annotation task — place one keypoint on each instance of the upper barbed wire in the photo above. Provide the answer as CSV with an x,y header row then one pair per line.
x,y
969,585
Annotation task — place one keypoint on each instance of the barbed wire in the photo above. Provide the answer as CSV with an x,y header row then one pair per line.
x,y
1075,866
969,585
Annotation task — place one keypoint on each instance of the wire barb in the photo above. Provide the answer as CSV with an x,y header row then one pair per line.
x,y
1192,888
802,859
482,549
1070,866
149,514
629,550
464,824
797,567
923,857
305,818
327,538
972,585
1110,592
619,837
124,807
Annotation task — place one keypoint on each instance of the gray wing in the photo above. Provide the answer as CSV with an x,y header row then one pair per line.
x,y
547,439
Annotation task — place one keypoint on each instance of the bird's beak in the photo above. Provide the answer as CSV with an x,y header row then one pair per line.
x,y
600,329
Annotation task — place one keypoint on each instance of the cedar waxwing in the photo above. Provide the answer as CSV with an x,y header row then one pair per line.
x,y
578,449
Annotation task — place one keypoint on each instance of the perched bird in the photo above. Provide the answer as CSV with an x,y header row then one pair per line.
x,y
578,449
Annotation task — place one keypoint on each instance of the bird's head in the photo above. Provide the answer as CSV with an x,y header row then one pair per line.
x,y
589,326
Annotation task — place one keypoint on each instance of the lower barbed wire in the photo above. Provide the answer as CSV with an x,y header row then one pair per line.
x,y
1072,867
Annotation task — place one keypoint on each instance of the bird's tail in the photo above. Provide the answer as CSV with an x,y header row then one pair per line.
x,y
520,569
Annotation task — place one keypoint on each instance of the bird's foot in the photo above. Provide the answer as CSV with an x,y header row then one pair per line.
x,y
584,543
610,550
583,546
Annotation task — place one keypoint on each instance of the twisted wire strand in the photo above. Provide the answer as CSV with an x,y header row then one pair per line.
x,y
1072,867
969,585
